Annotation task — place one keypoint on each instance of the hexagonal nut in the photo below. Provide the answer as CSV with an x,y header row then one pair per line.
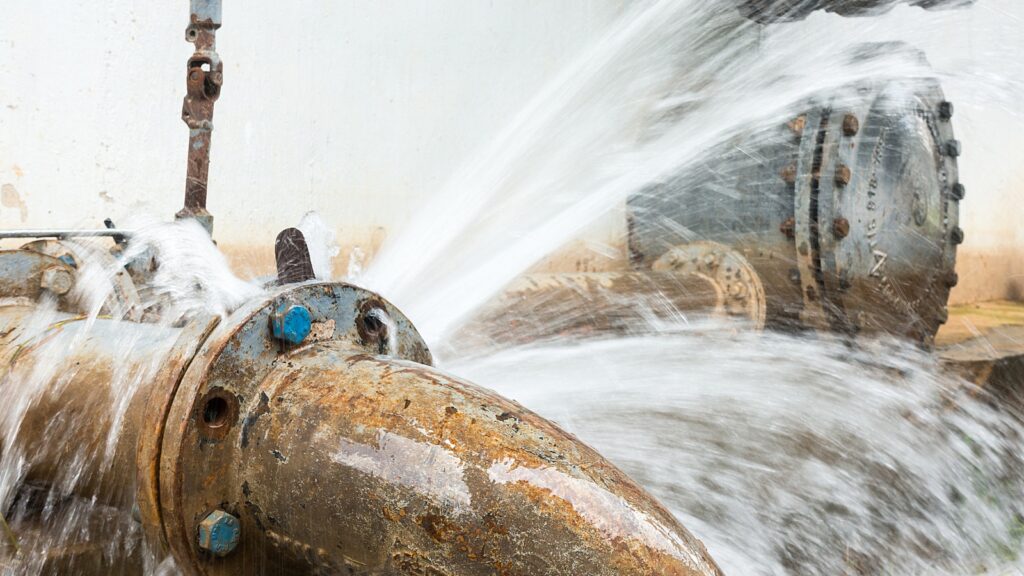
x,y
291,323
219,533
851,125
843,175
57,280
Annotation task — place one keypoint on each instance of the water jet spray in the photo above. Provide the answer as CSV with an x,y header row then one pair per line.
x,y
305,432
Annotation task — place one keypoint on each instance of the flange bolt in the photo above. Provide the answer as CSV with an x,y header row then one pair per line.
x,y
958,191
219,533
797,125
788,228
946,110
952,279
788,174
840,228
291,323
957,235
843,175
850,125
951,148
57,280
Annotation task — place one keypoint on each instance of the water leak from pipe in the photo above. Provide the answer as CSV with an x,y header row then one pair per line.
x,y
785,454
789,455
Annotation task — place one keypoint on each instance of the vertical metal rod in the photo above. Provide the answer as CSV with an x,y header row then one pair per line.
x,y
204,78
292,255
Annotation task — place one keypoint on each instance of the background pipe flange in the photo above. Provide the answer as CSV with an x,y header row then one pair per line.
x,y
123,300
888,209
740,292
27,276
848,212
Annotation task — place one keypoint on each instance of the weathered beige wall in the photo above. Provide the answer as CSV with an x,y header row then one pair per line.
x,y
356,109
361,109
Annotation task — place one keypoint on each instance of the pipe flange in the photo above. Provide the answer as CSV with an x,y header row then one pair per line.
x,y
123,301
740,291
887,211
218,401
28,276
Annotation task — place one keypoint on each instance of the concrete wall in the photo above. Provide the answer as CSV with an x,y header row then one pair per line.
x,y
361,109
356,109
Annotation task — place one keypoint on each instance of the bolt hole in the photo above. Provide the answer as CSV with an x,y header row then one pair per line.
x,y
372,323
215,412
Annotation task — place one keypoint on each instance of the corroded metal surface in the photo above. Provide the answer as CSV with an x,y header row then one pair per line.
x,y
76,369
343,453
123,300
348,453
240,351
151,435
537,307
342,461
292,256
204,78
28,276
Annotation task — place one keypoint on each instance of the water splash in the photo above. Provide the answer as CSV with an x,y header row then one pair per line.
x,y
322,242
185,275
668,82
787,455
64,420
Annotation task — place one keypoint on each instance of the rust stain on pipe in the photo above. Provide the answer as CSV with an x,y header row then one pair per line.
x,y
348,453
386,465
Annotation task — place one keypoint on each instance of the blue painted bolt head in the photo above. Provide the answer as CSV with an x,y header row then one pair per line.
x,y
219,533
291,323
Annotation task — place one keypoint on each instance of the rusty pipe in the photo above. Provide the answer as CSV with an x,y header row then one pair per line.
x,y
342,451
76,420
698,280
347,462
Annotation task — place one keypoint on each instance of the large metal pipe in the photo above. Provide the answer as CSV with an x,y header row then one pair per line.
x,y
697,281
347,462
325,447
76,392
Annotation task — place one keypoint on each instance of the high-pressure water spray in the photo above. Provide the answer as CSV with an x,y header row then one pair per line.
x,y
844,219
305,433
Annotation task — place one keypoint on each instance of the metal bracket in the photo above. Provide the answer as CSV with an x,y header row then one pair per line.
x,y
204,78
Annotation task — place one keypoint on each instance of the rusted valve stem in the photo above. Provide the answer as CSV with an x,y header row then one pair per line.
x,y
204,77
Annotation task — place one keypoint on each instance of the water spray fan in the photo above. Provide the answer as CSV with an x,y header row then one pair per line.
x,y
304,433
307,432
